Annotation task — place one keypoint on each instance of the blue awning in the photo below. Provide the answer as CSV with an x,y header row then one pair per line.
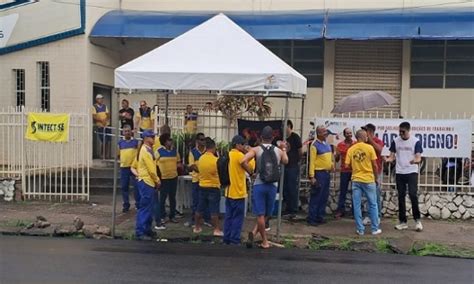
x,y
262,26
305,25
400,24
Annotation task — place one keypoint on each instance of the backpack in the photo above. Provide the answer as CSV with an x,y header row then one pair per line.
x,y
223,169
268,166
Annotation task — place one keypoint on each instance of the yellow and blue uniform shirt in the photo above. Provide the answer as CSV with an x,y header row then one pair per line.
x,y
208,175
167,161
191,122
320,157
147,167
145,116
101,112
238,180
128,152
193,159
156,144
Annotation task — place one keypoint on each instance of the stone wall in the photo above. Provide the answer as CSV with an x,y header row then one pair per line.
x,y
433,205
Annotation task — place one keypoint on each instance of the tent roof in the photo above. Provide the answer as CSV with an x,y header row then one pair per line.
x,y
217,55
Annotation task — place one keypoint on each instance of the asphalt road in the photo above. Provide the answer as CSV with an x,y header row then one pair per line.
x,y
53,260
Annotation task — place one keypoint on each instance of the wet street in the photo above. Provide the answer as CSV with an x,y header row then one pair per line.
x,y
55,260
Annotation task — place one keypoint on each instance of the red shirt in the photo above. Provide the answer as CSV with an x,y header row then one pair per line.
x,y
342,148
379,155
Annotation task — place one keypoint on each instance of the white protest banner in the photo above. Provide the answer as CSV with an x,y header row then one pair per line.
x,y
439,138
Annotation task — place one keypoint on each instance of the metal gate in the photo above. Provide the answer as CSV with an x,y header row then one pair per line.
x,y
46,170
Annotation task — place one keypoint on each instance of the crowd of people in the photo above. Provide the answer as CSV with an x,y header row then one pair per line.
x,y
154,164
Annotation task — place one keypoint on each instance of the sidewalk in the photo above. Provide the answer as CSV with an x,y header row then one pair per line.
x,y
15,216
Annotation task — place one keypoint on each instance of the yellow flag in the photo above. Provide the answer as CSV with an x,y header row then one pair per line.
x,y
48,127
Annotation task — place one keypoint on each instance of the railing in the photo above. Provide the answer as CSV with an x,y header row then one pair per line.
x,y
46,170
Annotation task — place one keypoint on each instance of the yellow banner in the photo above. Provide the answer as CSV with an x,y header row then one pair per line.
x,y
48,127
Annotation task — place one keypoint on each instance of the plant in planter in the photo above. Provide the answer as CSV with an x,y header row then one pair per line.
x,y
259,106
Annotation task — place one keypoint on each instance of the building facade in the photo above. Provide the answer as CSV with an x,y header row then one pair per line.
x,y
51,59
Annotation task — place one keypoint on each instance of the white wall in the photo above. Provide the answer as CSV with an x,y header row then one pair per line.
x,y
275,5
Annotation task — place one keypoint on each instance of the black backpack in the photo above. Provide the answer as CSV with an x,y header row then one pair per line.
x,y
268,167
223,169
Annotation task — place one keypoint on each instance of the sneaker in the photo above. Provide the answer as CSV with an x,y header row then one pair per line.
x,y
173,220
419,226
267,226
401,226
125,210
188,224
366,221
207,224
179,215
360,233
144,238
160,227
378,232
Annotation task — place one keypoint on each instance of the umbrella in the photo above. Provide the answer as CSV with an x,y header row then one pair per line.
x,y
364,100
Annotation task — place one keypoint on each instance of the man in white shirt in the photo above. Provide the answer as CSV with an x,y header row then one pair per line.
x,y
406,150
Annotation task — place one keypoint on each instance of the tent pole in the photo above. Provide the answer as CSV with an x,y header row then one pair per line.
x,y
167,104
302,116
114,152
282,175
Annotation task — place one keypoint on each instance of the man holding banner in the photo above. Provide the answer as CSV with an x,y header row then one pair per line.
x,y
406,150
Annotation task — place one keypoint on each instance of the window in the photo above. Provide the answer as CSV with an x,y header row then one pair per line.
x,y
442,64
19,86
306,56
44,86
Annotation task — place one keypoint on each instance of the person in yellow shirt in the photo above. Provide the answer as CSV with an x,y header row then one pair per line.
x,y
209,188
361,158
148,182
101,117
236,192
127,153
193,159
190,120
320,167
144,120
168,160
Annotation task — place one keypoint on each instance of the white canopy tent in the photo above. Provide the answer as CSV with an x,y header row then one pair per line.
x,y
216,56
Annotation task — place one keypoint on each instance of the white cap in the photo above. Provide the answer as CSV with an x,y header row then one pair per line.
x,y
99,96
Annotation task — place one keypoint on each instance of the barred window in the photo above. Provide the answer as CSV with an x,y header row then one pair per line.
x,y
442,64
306,56
44,86
19,75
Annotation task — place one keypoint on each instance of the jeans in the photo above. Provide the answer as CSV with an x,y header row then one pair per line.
x,y
157,209
369,190
379,195
145,211
410,181
168,189
344,185
319,197
195,203
234,220
291,189
126,176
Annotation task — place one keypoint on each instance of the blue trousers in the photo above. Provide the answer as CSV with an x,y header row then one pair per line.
x,y
195,197
234,220
157,209
127,177
145,211
290,189
319,197
369,190
344,185
168,190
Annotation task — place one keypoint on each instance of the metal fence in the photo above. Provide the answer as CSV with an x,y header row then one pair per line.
x,y
46,170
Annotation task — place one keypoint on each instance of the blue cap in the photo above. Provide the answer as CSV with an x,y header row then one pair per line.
x,y
148,133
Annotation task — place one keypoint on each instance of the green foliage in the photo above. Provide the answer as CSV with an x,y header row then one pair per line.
x,y
319,245
383,246
345,244
434,249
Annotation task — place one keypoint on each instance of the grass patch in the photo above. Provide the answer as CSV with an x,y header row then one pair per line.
x,y
78,236
319,245
288,242
434,249
130,236
345,244
383,246
16,223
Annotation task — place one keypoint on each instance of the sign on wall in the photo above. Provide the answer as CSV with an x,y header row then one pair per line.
x,y
439,138
48,127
